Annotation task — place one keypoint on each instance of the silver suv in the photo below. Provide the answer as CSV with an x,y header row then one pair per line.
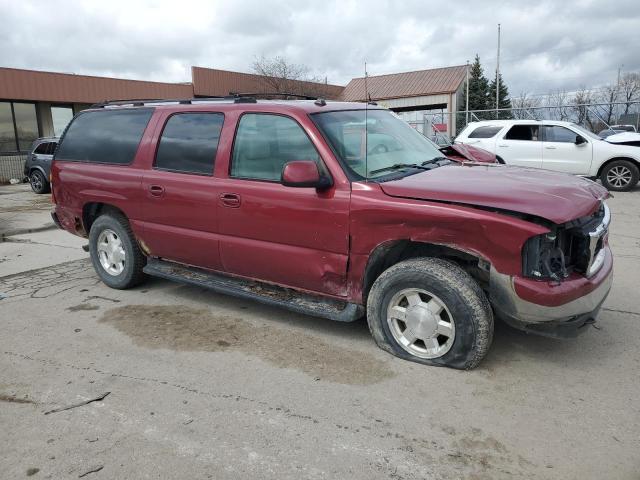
x,y
38,163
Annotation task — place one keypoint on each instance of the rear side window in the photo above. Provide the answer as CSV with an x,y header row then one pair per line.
x,y
105,136
485,132
264,143
189,143
523,132
46,148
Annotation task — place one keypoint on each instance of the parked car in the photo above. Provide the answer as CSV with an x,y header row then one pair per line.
x,y
282,202
560,146
624,128
38,163
608,132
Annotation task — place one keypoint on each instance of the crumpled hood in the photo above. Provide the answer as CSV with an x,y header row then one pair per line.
x,y
623,137
468,152
557,197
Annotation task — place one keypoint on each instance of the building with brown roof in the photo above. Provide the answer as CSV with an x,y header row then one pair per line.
x,y
412,93
37,104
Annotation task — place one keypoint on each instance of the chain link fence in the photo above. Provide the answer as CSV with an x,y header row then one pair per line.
x,y
12,167
442,127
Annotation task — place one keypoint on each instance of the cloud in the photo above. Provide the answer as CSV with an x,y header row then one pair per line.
x,y
546,45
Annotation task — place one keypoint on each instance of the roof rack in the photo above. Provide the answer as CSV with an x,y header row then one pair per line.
x,y
137,102
275,94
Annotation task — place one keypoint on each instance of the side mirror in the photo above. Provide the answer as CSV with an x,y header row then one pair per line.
x,y
580,140
304,173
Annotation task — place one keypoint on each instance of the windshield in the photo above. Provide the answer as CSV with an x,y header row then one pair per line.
x,y
386,142
586,132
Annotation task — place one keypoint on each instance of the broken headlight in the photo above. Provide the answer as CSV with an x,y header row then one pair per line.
x,y
543,257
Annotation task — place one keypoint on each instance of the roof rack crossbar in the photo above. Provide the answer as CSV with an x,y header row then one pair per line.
x,y
275,94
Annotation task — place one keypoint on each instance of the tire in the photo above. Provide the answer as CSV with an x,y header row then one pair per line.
x,y
112,232
39,184
465,309
620,175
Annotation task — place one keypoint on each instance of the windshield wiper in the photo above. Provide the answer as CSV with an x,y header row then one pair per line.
x,y
434,160
398,166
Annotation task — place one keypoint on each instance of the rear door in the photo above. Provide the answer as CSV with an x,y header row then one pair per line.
x,y
180,193
42,155
561,153
520,145
297,237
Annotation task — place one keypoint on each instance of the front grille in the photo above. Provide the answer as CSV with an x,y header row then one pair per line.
x,y
584,239
575,247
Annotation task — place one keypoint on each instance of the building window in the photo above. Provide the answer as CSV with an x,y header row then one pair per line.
x,y
18,126
61,117
7,131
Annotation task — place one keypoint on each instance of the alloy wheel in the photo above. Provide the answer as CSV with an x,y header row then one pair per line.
x,y
619,176
421,323
111,252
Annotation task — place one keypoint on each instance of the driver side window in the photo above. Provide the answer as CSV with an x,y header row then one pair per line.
x,y
264,143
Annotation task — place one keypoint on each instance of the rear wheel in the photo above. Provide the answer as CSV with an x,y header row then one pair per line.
x,y
620,175
115,254
430,311
38,182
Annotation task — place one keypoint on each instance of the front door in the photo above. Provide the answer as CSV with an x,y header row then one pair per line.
x,y
561,152
181,195
286,235
520,145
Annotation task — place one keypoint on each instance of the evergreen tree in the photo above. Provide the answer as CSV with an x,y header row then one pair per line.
x,y
503,99
478,88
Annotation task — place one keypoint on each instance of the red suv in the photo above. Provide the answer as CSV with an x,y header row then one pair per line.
x,y
337,210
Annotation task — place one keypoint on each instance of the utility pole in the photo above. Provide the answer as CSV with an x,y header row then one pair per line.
x,y
498,75
619,71
466,101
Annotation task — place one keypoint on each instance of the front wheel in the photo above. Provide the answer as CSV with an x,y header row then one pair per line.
x,y
430,311
620,176
115,254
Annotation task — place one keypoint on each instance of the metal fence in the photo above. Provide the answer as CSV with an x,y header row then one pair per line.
x,y
442,127
12,167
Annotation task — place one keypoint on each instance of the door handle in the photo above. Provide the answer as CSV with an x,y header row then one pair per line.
x,y
503,145
156,190
549,147
231,200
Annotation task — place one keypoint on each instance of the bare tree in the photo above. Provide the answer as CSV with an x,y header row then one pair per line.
x,y
581,99
524,106
629,89
282,76
608,96
558,100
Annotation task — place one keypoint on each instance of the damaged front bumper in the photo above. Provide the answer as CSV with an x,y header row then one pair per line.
x,y
555,309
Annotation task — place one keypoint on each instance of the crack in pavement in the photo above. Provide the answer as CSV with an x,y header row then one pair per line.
x,y
459,450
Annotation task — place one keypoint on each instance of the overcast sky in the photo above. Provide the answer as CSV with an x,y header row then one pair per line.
x,y
545,44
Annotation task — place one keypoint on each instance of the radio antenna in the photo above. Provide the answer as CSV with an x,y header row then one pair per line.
x,y
366,125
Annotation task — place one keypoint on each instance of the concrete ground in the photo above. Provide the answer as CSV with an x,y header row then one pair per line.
x,y
207,386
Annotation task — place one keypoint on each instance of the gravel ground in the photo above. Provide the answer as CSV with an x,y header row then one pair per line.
x,y
207,386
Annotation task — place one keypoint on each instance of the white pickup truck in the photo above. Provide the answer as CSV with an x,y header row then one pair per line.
x,y
560,146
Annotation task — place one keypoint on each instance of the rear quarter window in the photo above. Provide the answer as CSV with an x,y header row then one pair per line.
x,y
484,132
104,136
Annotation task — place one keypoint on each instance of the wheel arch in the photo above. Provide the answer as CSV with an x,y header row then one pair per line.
x,y
390,253
40,169
628,159
92,210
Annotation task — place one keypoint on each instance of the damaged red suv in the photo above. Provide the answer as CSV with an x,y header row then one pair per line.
x,y
336,210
